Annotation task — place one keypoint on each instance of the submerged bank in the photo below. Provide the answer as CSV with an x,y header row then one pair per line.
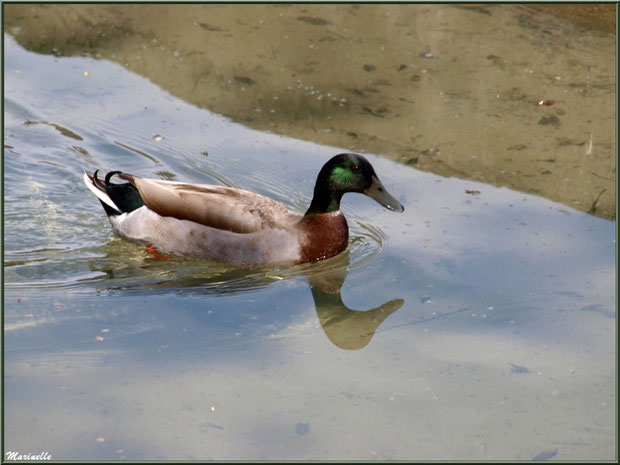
x,y
502,94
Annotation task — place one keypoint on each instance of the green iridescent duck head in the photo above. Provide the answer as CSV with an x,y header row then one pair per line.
x,y
348,172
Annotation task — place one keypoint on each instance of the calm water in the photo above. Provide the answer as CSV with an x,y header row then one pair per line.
x,y
473,326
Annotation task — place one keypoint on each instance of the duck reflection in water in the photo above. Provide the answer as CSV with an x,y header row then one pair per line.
x,y
346,328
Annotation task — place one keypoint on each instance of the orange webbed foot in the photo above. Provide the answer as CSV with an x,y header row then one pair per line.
x,y
157,254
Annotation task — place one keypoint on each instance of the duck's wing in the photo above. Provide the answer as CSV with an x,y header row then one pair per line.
x,y
218,207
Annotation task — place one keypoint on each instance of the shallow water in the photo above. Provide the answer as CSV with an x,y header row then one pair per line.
x,y
472,326
503,94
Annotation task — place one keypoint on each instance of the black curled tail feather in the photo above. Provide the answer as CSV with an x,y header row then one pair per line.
x,y
125,196
109,175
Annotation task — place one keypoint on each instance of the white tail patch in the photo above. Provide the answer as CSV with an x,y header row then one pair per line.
x,y
100,194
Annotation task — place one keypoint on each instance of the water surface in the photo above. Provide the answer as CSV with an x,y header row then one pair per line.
x,y
479,324
506,94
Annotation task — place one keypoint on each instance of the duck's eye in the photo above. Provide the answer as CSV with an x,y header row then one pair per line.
x,y
356,169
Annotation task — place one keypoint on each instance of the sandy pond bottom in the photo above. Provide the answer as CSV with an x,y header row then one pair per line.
x,y
479,324
451,89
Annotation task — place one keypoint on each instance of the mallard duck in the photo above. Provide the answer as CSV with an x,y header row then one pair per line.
x,y
235,226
